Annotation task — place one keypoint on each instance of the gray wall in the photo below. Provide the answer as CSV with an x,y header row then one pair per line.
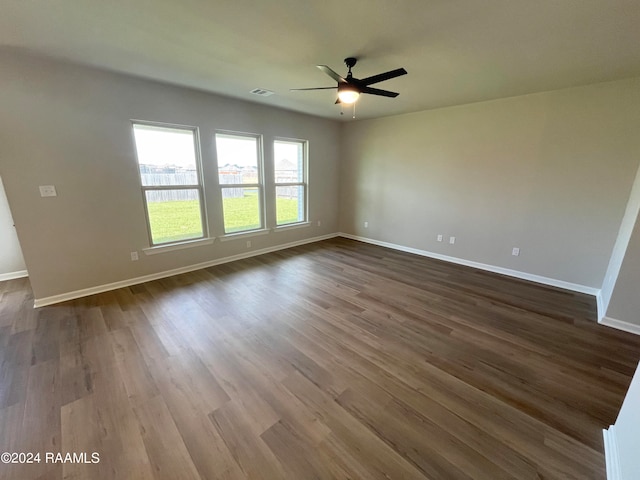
x,y
618,255
621,439
625,304
69,126
549,173
11,260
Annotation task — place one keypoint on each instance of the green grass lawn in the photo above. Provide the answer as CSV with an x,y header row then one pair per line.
x,y
180,220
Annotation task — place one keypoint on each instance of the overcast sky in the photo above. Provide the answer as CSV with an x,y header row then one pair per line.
x,y
163,146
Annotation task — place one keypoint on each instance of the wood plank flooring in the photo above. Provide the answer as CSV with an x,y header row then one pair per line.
x,y
335,360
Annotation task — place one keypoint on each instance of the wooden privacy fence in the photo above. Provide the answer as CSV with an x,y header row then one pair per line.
x,y
186,178
190,178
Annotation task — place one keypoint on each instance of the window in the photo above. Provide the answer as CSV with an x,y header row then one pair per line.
x,y
240,179
169,163
290,168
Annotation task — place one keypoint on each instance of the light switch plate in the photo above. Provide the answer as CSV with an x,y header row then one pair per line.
x,y
48,191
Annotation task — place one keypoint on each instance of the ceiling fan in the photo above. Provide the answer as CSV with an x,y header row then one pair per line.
x,y
350,88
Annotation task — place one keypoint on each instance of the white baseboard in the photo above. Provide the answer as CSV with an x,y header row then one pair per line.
x,y
611,453
482,266
13,275
620,325
41,302
600,305
63,297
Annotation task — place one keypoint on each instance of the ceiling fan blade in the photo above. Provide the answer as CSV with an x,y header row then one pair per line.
x,y
337,101
377,91
381,77
313,88
332,74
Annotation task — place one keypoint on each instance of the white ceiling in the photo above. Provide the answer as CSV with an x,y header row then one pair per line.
x,y
456,51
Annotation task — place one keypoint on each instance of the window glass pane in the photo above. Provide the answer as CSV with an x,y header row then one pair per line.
x,y
174,215
166,156
290,205
237,159
288,161
241,207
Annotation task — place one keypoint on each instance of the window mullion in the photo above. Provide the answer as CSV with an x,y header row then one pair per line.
x,y
296,184
171,187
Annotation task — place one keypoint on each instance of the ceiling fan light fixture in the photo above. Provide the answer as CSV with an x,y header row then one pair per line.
x,y
348,94
350,88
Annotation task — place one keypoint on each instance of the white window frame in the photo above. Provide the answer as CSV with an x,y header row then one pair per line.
x,y
199,186
259,185
304,183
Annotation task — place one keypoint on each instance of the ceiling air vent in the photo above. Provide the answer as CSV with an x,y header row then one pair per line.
x,y
262,92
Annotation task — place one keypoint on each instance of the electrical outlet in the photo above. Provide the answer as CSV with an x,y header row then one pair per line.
x,y
366,224
319,223
515,252
48,191
439,238
134,256
452,240
248,243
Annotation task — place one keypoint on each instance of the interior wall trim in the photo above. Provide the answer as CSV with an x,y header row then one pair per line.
x,y
63,297
482,266
620,325
600,304
614,323
611,453
13,275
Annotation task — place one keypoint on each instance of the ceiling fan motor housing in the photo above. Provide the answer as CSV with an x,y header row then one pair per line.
x,y
350,62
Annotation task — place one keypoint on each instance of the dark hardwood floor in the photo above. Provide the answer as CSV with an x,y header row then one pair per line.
x,y
335,360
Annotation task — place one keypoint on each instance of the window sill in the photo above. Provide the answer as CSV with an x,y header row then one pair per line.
x,y
248,233
178,246
292,226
